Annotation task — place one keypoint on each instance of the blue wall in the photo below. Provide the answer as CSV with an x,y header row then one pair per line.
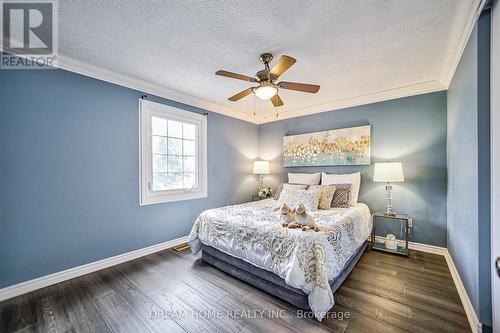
x,y
411,130
462,170
468,169
70,173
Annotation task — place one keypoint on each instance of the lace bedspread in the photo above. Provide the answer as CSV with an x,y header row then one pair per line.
x,y
305,260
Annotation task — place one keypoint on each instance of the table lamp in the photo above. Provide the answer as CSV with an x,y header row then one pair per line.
x,y
389,172
261,168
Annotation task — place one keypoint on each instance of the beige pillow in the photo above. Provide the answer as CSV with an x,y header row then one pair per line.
x,y
327,193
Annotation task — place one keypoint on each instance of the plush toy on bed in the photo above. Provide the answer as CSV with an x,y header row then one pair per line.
x,y
287,215
303,219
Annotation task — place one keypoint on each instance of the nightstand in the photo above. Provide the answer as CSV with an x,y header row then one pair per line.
x,y
257,197
378,242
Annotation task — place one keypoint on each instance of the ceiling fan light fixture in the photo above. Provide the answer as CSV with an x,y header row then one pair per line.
x,y
265,91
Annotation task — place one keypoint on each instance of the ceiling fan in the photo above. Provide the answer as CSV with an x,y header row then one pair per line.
x,y
268,88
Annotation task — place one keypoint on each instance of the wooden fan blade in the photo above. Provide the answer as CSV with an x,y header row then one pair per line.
x,y
282,65
235,76
240,95
308,88
276,100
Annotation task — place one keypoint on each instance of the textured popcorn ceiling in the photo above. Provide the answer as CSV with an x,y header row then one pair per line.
x,y
350,48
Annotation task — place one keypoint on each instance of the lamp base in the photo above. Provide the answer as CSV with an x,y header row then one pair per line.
x,y
388,208
261,181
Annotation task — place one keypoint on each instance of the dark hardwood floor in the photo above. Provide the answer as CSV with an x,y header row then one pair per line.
x,y
177,292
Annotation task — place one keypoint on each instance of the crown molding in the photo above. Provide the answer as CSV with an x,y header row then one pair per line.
x,y
462,27
83,68
379,96
80,67
100,73
459,36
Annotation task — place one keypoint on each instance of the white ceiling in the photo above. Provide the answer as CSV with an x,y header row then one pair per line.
x,y
358,51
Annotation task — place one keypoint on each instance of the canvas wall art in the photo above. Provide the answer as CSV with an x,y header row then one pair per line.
x,y
345,146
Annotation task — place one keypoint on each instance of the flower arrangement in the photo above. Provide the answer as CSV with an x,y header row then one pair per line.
x,y
266,192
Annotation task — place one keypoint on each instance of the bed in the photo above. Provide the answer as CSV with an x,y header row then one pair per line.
x,y
303,268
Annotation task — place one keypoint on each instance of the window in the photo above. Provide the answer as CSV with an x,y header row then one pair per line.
x,y
173,154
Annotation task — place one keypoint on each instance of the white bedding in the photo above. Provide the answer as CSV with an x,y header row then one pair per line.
x,y
305,260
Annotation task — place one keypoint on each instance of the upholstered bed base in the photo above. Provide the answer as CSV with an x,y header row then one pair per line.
x,y
268,281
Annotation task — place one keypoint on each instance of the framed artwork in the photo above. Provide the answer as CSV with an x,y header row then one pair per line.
x,y
345,146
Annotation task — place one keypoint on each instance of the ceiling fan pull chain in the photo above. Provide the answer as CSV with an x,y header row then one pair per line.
x,y
254,113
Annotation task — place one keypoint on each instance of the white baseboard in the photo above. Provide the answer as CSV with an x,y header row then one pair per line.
x,y
474,322
47,280
419,246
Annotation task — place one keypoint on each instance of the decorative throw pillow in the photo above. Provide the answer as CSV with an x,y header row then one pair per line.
x,y
304,178
341,196
327,193
281,186
348,178
292,197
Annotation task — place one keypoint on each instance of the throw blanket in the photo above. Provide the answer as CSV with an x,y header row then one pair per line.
x,y
305,260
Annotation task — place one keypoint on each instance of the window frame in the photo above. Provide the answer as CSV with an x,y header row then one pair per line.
x,y
147,110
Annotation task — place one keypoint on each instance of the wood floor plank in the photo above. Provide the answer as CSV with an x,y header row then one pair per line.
x,y
180,312
142,305
169,291
421,322
81,311
118,315
50,315
436,306
286,314
168,325
217,313
17,313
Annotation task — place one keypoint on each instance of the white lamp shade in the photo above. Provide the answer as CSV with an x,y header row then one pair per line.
x,y
388,172
261,167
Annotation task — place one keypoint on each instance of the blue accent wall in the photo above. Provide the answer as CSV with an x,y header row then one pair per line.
x,y
69,168
468,144
411,130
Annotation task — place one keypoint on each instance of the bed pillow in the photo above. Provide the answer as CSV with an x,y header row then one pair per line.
x,y
348,178
327,193
341,196
292,197
304,178
281,186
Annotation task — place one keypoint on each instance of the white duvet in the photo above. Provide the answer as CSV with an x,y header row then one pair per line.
x,y
305,260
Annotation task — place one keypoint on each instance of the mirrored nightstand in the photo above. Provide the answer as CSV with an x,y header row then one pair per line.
x,y
401,242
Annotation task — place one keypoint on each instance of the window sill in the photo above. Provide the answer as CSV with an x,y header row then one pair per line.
x,y
158,199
